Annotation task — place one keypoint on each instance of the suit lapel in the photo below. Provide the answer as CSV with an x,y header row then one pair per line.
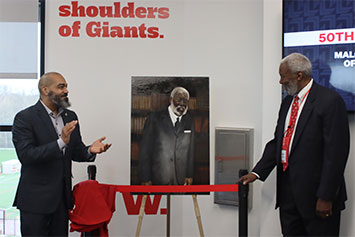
x,y
304,116
167,120
283,115
44,118
65,116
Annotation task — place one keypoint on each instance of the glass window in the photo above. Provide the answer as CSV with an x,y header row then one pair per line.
x,y
16,94
19,68
9,176
19,74
19,48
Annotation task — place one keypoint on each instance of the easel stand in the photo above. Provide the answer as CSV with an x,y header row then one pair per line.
x,y
141,214
168,202
197,213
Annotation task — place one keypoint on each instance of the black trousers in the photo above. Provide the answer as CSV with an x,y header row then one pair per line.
x,y
293,224
52,224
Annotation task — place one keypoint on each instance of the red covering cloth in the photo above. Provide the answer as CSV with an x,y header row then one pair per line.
x,y
94,205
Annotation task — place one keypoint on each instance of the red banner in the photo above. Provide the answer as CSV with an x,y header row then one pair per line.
x,y
175,188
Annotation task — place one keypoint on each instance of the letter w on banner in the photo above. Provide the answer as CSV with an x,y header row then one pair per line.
x,y
132,207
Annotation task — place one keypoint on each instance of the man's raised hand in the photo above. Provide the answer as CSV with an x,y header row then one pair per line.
x,y
98,147
67,130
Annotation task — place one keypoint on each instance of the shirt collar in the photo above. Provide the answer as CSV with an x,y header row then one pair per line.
x,y
304,90
173,116
50,112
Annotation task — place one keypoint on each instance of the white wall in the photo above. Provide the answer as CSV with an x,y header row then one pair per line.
x,y
237,43
272,53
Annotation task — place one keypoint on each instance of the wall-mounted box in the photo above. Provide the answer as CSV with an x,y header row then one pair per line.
x,y
233,152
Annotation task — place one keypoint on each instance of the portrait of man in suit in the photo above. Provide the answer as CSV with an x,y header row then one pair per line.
x,y
309,150
47,139
167,146
169,122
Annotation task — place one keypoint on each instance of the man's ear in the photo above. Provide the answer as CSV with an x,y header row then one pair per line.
x,y
45,90
299,75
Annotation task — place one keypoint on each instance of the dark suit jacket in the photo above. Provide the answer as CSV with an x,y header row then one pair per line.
x,y
318,154
164,150
45,171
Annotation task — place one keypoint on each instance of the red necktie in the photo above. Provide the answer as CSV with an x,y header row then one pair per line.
x,y
288,134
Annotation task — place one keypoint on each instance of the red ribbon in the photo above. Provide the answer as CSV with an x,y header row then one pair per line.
x,y
175,188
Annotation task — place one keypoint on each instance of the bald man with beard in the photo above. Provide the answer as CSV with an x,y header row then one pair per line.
x,y
47,139
166,154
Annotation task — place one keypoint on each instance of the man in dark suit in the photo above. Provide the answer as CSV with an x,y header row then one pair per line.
x,y
47,138
167,146
310,150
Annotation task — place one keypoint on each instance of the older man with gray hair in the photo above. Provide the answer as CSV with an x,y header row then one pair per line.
x,y
310,149
166,155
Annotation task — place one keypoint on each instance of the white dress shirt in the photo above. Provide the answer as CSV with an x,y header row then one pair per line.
x,y
173,116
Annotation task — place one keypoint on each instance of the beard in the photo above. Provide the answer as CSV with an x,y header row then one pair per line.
x,y
61,103
179,110
291,88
